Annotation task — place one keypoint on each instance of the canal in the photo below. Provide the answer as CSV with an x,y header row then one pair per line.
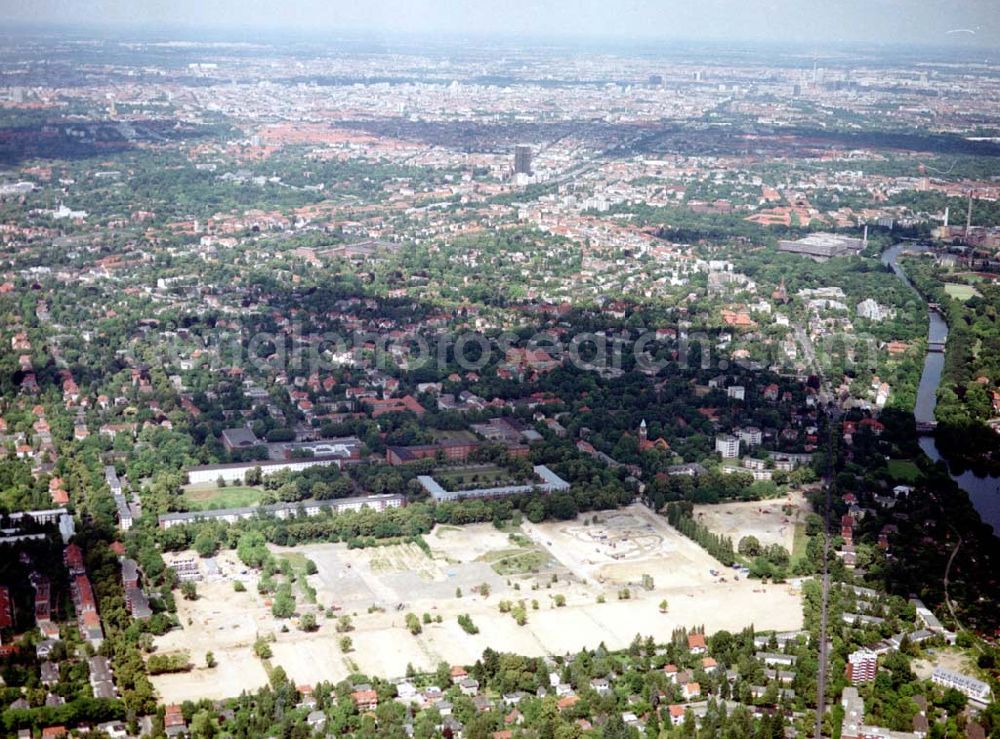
x,y
984,492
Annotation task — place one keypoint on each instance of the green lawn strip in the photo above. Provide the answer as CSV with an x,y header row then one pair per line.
x,y
214,498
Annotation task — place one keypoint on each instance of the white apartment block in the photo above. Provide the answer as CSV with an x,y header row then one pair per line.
x,y
728,446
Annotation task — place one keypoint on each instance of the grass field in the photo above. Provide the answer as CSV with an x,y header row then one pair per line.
x,y
903,470
298,562
442,434
488,475
296,559
516,561
210,497
799,543
960,292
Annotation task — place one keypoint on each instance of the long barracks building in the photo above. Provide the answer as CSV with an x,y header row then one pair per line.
x,y
285,510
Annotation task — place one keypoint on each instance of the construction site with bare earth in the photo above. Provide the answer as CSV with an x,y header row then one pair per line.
x,y
538,589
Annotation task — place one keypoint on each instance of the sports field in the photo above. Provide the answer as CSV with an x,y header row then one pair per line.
x,y
209,496
960,291
772,521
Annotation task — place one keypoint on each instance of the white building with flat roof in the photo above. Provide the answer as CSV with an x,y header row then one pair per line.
x,y
378,503
728,446
976,690
237,472
550,482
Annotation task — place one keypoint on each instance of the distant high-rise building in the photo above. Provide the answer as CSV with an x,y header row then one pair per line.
x,y
655,80
522,159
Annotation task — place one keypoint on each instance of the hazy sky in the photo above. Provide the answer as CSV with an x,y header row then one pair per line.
x,y
811,21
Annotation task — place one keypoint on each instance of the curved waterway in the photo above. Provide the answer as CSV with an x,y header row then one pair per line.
x,y
984,492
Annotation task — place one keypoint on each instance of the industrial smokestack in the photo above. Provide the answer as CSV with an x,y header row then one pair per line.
x,y
968,216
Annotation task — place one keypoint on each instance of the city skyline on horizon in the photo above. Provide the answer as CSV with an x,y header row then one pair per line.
x,y
967,25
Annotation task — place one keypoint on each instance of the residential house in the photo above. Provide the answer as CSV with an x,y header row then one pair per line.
x,y
366,700
696,643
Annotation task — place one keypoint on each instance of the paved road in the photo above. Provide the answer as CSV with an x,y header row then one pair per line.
x,y
810,353
805,343
947,576
821,675
599,158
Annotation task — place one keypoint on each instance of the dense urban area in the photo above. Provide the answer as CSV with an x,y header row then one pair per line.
x,y
410,389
